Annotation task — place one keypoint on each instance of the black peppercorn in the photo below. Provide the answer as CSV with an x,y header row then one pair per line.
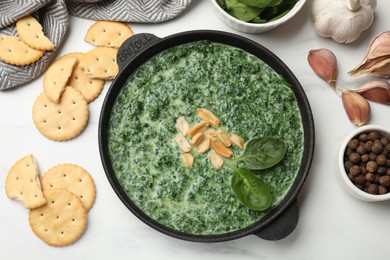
x,y
348,165
361,150
384,141
355,170
373,189
382,190
354,158
372,166
377,147
364,158
363,137
368,146
374,135
370,177
363,169
349,151
353,144
381,160
360,179
372,156
385,181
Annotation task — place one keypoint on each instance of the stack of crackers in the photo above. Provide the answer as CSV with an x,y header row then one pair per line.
x,y
28,47
60,112
58,202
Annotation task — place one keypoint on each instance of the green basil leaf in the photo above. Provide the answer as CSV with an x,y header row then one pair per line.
x,y
262,153
251,191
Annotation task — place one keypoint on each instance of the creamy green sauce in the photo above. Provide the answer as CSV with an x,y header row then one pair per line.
x,y
249,98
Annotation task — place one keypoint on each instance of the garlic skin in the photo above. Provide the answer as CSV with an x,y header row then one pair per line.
x,y
324,64
376,90
343,20
357,107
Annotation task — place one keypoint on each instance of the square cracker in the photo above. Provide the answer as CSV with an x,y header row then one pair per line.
x,y
22,183
108,34
61,221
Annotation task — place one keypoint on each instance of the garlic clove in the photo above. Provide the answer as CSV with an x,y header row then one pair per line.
x,y
357,107
324,64
381,69
367,66
378,50
376,90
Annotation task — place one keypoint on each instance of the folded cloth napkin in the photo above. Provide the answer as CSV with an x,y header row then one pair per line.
x,y
54,17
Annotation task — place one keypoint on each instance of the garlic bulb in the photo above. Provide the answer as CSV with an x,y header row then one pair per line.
x,y
343,20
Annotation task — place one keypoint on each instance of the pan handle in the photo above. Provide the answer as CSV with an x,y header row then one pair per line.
x,y
281,226
134,45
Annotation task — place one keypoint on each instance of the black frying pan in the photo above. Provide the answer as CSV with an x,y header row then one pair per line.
x,y
282,220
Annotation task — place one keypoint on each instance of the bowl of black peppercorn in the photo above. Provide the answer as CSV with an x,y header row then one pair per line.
x,y
364,161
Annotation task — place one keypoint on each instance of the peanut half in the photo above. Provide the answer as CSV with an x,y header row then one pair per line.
x,y
204,146
183,144
224,138
211,134
216,160
199,127
208,116
197,139
222,150
183,125
188,160
237,140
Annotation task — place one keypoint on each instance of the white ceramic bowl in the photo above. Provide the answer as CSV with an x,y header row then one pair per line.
x,y
346,182
254,27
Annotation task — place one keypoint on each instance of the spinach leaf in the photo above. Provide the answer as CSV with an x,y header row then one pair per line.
x,y
257,11
262,153
261,3
242,11
221,3
251,191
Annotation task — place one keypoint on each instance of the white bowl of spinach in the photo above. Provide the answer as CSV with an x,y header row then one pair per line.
x,y
256,16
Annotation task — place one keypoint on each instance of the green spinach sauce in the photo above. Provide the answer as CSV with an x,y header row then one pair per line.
x,y
249,98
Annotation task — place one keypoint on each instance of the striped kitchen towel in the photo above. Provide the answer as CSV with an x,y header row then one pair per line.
x,y
54,17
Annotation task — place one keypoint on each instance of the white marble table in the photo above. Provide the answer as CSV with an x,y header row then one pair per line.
x,y
332,224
